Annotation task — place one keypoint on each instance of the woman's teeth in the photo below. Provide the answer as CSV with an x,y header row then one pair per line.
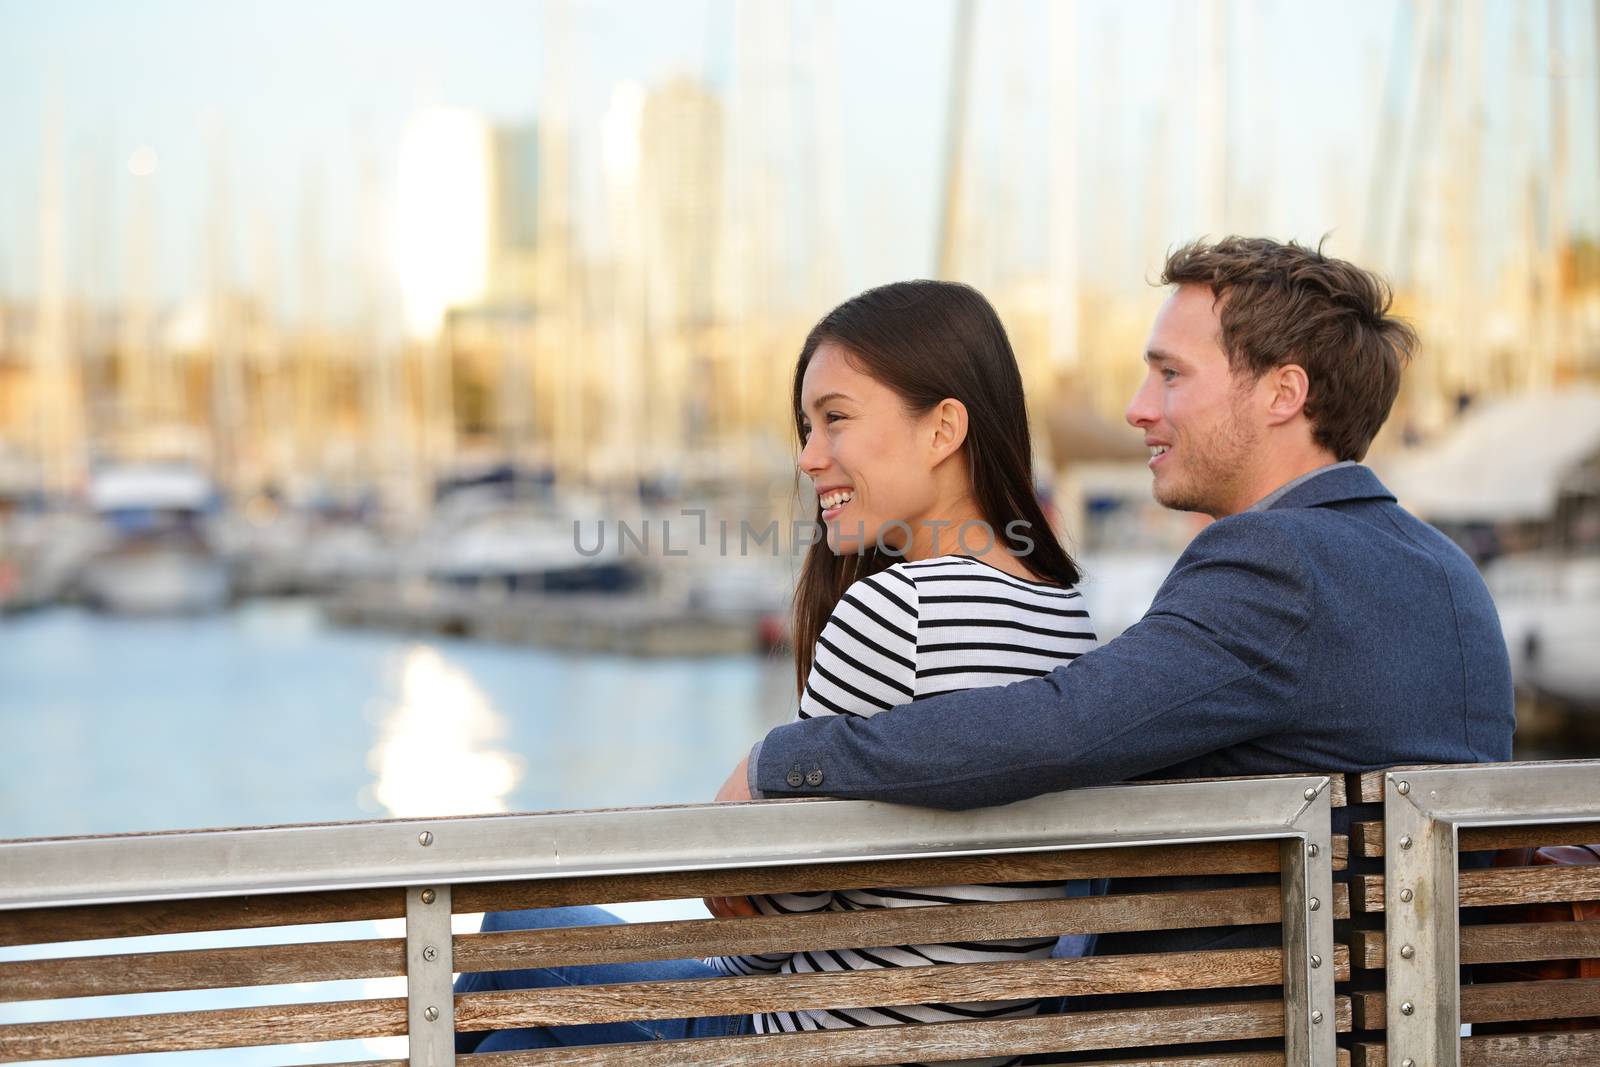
x,y
835,499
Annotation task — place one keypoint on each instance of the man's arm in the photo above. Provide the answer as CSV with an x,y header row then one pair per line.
x,y
1215,662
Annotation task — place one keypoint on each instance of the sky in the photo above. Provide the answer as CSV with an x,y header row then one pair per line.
x,y
299,93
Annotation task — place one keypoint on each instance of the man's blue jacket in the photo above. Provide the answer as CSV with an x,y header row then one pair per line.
x,y
1333,631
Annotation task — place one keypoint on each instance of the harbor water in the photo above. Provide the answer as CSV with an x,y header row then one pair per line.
x,y
267,715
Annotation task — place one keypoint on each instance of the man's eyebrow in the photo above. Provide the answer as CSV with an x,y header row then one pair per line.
x,y
1156,355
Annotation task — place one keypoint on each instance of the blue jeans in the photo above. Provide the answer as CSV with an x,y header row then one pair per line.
x,y
595,974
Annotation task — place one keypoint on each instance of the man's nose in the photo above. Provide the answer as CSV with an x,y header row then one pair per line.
x,y
1141,409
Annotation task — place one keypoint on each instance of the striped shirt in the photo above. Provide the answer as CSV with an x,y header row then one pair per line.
x,y
912,631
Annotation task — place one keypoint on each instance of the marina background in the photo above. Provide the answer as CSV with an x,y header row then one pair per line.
x,y
332,336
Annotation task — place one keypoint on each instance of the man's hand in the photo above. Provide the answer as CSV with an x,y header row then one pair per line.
x,y
730,907
737,787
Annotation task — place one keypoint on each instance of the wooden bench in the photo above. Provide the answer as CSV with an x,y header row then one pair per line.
x,y
1421,913
295,879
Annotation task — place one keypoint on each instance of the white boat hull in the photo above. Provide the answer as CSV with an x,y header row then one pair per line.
x,y
157,582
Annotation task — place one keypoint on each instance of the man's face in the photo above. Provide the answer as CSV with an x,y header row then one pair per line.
x,y
1197,418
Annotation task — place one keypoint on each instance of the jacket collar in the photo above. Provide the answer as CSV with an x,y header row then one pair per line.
x,y
1333,487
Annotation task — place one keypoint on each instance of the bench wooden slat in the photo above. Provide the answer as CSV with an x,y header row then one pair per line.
x,y
1500,943
185,1031
685,938
641,1001
1577,1048
1501,1002
38,926
693,938
1501,885
43,926
217,968
1215,1059
1231,857
1368,836
236,1027
1077,1032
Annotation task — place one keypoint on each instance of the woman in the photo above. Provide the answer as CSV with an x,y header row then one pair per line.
x,y
938,571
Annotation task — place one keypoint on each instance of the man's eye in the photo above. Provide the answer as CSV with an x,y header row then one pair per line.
x,y
1167,374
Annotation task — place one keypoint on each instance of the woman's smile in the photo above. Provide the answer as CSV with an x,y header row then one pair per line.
x,y
834,500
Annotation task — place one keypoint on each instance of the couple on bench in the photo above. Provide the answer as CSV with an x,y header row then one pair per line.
x,y
943,653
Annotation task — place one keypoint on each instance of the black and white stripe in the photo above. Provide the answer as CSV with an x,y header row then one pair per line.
x,y
918,630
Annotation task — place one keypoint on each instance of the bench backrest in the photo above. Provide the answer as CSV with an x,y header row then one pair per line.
x,y
295,880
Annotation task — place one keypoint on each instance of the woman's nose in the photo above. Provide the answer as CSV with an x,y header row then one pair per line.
x,y
812,455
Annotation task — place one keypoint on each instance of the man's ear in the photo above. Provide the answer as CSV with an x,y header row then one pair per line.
x,y
1288,389
949,426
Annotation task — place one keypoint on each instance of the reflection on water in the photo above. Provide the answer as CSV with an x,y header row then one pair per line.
x,y
440,746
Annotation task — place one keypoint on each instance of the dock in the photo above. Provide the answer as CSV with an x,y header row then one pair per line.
x,y
631,625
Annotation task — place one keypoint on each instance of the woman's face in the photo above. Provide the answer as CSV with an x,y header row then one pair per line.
x,y
866,455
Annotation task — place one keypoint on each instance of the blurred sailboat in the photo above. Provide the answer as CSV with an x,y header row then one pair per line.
x,y
157,556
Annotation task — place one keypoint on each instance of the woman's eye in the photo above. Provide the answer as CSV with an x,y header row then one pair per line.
x,y
834,416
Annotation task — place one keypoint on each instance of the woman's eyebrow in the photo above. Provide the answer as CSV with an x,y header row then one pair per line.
x,y
825,397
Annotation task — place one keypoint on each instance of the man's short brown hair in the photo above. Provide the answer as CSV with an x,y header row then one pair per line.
x,y
1285,303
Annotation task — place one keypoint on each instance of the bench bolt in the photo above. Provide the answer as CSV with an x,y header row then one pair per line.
x,y
1402,788
430,953
1316,1017
431,1013
1405,842
1316,960
1311,793
1407,1008
1405,896
1406,952
427,896
1313,903
425,838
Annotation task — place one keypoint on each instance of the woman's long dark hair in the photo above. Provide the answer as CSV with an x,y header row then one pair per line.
x,y
929,341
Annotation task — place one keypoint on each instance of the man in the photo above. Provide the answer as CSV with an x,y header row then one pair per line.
x,y
1315,626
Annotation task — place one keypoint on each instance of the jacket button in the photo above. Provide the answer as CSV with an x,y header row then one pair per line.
x,y
814,779
796,779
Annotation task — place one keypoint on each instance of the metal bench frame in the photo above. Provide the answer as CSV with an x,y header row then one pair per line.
x,y
1424,811
428,856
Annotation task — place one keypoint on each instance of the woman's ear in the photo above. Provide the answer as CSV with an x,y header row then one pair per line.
x,y
949,427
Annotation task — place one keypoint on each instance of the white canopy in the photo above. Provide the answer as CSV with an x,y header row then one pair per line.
x,y
1504,461
165,487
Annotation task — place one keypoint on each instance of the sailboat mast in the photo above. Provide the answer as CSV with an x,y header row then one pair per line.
x,y
1063,200
53,375
955,144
